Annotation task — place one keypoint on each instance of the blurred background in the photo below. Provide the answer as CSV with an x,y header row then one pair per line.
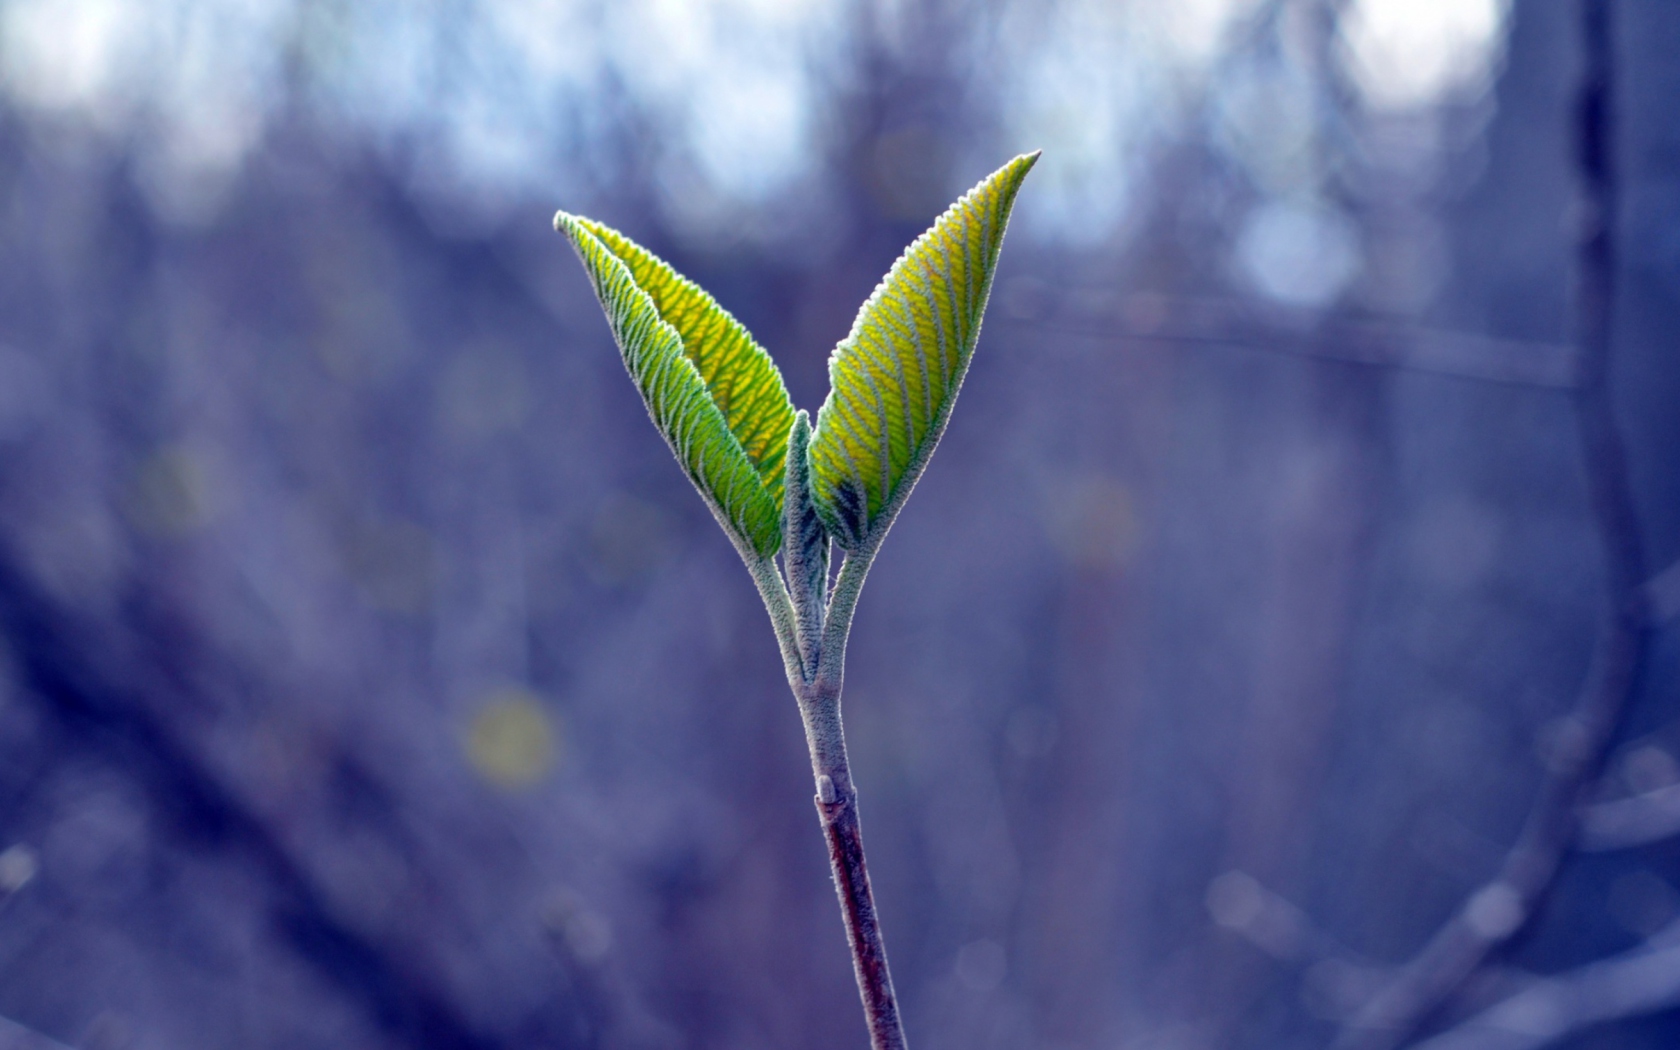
x,y
371,677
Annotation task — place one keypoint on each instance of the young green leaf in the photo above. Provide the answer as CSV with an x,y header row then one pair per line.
x,y
896,376
712,391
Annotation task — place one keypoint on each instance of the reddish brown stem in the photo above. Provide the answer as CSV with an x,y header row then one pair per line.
x,y
857,905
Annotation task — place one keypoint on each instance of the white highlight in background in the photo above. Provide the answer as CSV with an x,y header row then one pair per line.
x,y
1408,54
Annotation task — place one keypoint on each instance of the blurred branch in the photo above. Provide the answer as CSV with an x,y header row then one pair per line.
x,y
103,712
14,1036
1240,324
1627,822
1662,593
1501,907
1334,981
1238,902
1636,982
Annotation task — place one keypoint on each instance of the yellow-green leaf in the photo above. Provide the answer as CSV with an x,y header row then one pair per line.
x,y
896,376
712,391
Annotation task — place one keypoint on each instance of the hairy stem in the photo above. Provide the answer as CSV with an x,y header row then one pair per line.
x,y
837,620
818,694
782,616
837,807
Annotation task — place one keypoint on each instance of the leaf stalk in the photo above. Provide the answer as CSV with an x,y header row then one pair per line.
x,y
817,691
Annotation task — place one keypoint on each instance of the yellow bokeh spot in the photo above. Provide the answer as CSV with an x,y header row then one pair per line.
x,y
512,740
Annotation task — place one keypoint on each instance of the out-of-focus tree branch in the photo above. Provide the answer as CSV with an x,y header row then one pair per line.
x,y
1239,902
1662,594
1627,822
103,713
1183,322
14,1036
1627,985
1499,908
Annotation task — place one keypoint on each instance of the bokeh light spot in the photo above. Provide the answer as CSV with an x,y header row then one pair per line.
x,y
60,56
1299,253
584,931
1649,767
18,865
1091,521
512,740
1412,53
171,494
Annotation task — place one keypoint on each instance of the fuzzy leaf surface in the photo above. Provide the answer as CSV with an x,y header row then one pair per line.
x,y
896,376
804,543
712,391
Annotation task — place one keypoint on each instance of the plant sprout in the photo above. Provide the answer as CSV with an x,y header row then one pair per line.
x,y
778,485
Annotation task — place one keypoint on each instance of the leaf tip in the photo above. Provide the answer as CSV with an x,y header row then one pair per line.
x,y
1018,167
574,228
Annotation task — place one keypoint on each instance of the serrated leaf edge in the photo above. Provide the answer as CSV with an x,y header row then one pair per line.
x,y
843,521
641,338
763,419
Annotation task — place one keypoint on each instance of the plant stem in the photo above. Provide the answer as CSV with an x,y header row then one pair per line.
x,y
837,807
818,694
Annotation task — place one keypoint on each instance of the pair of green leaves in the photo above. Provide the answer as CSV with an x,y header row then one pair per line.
x,y
723,408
